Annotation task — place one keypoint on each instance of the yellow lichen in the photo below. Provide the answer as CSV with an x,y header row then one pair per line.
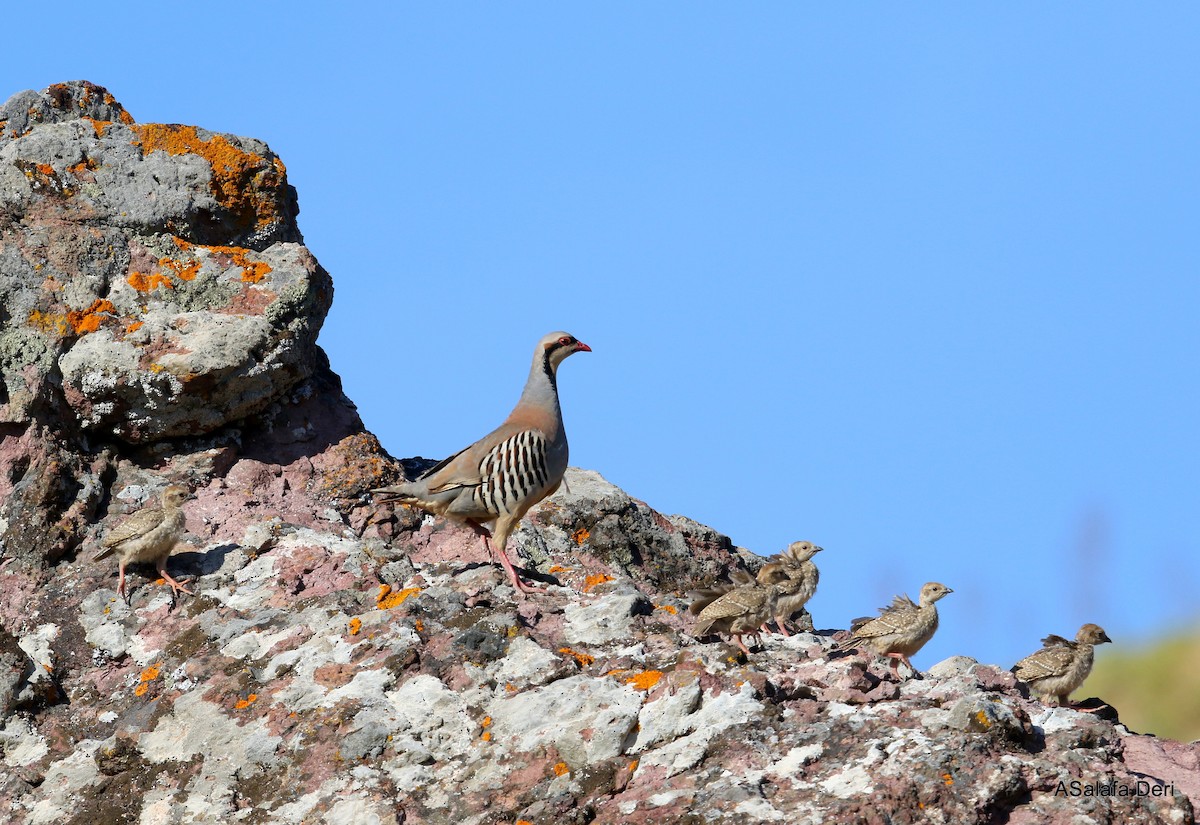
x,y
48,322
646,680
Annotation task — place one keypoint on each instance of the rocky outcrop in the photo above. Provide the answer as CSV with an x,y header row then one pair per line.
x,y
348,663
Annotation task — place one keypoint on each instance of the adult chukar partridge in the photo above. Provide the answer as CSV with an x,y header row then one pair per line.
x,y
499,477
149,535
1061,665
901,629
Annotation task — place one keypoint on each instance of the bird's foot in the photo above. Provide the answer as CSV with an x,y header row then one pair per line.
x,y
521,587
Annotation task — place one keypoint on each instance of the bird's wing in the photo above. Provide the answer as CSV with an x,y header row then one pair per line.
x,y
1049,661
704,596
1056,641
897,618
737,602
136,526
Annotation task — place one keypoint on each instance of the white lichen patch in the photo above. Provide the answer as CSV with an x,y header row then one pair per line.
x,y
853,781
715,714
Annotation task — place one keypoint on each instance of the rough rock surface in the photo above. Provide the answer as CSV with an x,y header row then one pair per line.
x,y
347,663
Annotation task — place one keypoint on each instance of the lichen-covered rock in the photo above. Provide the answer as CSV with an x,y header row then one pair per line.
x,y
346,662
152,280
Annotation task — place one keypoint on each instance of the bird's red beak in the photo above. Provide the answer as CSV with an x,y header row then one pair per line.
x,y
582,347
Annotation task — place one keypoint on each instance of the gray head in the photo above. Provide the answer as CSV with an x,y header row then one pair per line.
x,y
1092,634
932,591
553,349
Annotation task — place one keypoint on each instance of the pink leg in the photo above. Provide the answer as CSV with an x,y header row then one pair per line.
x,y
121,582
737,637
782,626
516,580
176,587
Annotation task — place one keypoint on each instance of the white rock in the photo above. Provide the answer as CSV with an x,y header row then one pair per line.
x,y
605,620
559,713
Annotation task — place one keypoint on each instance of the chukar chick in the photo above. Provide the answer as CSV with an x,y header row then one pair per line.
x,y
901,629
1061,666
149,535
704,596
803,576
744,608
499,477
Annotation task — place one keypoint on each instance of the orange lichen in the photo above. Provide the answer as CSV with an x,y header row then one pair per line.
x,y
523,822
48,322
185,271
646,680
948,779
145,282
252,271
595,581
134,327
486,736
387,599
355,626
560,768
237,176
583,658
247,702
668,608
88,320
633,766
581,535
148,676
557,568
419,626
486,723
509,687
98,126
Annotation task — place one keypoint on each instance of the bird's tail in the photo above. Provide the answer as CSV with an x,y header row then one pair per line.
x,y
399,493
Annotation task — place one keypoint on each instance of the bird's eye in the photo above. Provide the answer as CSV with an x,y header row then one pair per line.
x,y
564,341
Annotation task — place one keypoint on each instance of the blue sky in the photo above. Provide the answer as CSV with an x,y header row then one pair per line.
x,y
918,284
